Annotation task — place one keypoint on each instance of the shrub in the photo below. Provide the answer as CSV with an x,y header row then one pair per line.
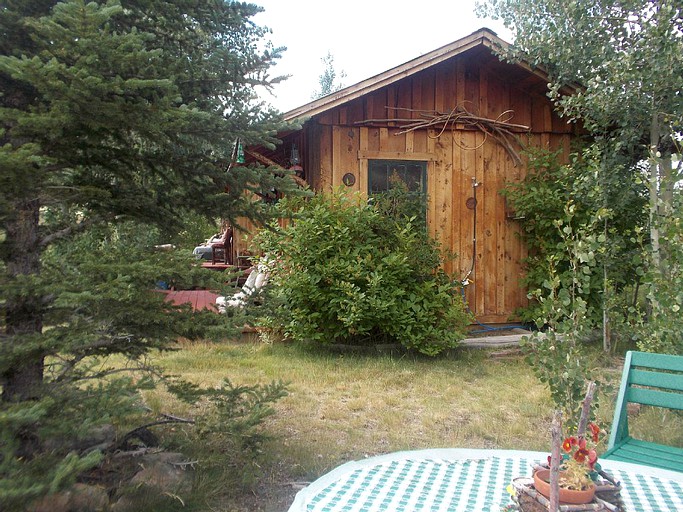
x,y
558,357
662,330
593,183
348,273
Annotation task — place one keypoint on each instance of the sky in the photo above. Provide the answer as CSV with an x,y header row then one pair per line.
x,y
365,38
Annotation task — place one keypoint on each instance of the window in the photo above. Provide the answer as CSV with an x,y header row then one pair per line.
x,y
382,173
403,187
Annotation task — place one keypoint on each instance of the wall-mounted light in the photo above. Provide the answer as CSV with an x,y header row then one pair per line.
x,y
294,160
294,155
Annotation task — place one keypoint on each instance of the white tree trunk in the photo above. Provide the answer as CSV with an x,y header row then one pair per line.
x,y
654,191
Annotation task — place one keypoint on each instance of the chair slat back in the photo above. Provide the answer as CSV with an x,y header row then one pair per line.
x,y
655,379
657,361
659,380
227,235
648,379
656,398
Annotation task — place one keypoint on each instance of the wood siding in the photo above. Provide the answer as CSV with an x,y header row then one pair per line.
x,y
341,141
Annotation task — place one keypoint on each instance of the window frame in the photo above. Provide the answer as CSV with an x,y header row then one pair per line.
x,y
424,165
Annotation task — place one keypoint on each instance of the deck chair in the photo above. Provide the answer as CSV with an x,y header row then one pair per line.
x,y
648,379
221,251
257,279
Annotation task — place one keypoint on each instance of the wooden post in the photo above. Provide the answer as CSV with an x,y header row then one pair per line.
x,y
586,409
556,441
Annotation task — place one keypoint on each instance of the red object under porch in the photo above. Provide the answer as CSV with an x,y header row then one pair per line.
x,y
199,299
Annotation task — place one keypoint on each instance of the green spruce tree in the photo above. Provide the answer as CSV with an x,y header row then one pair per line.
x,y
117,118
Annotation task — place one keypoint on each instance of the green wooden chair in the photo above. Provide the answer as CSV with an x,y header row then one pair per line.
x,y
648,379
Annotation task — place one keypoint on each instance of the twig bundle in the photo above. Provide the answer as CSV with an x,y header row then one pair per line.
x,y
500,129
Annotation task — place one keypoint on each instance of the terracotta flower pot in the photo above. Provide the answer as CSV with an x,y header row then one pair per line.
x,y
570,496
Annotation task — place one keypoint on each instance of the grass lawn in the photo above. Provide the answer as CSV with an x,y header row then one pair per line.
x,y
346,407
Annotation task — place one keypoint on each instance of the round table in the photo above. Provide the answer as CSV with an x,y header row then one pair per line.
x,y
454,480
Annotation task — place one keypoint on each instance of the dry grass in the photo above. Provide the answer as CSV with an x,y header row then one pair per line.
x,y
346,407
657,425
343,407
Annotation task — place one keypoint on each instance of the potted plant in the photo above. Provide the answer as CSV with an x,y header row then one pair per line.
x,y
578,469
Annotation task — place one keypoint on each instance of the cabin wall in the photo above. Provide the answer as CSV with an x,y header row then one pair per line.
x,y
342,141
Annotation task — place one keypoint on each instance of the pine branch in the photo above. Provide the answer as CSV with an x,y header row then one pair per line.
x,y
66,232
71,364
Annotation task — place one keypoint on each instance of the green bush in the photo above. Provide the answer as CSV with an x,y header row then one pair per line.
x,y
348,272
558,356
662,329
595,184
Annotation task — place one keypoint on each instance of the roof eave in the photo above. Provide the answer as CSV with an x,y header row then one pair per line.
x,y
482,37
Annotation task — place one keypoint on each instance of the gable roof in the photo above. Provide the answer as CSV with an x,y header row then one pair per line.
x,y
483,37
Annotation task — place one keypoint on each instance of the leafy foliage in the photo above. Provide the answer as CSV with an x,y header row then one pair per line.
x,y
557,356
349,274
327,79
561,366
662,330
554,200
622,61
117,122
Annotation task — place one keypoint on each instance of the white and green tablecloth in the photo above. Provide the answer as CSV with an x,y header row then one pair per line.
x,y
464,480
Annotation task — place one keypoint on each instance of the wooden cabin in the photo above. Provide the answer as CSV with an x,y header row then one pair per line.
x,y
453,122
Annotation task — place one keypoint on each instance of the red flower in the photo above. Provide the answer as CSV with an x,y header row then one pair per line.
x,y
592,458
581,454
568,443
595,431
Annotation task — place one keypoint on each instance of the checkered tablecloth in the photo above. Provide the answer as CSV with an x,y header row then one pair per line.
x,y
419,481
648,493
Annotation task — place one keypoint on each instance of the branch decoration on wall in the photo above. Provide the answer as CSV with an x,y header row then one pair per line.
x,y
499,129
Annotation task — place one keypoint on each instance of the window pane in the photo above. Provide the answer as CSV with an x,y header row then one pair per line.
x,y
397,174
378,179
385,175
414,177
382,173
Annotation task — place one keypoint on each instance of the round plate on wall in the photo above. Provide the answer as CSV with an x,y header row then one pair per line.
x,y
349,179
